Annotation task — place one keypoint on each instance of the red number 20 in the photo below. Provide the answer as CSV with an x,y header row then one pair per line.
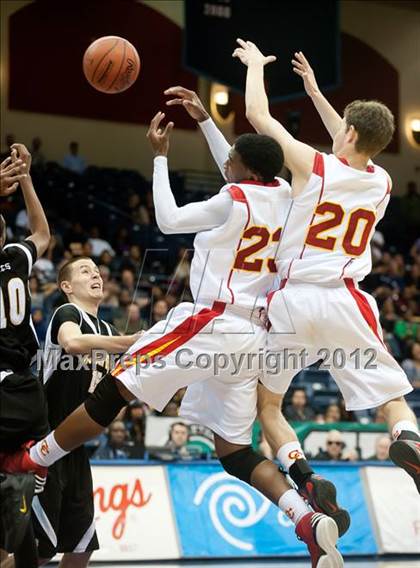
x,y
336,216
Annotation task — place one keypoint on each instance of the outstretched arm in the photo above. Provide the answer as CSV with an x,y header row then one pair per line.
x,y
219,146
298,157
330,117
38,224
191,218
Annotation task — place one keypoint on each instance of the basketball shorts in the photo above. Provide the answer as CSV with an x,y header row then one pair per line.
x,y
23,410
338,323
63,514
204,348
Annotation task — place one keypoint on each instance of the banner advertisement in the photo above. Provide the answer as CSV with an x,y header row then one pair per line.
x,y
231,519
133,513
395,509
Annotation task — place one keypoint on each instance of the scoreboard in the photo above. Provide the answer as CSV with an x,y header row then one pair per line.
x,y
277,27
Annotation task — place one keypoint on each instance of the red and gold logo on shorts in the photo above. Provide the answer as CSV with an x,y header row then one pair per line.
x,y
45,450
295,455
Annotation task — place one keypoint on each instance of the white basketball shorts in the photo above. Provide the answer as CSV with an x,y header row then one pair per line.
x,y
205,349
338,323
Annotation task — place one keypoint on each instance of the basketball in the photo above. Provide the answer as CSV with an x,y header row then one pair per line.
x,y
111,64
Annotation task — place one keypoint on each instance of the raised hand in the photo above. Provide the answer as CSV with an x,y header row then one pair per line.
x,y
189,100
302,68
159,139
21,152
11,173
249,53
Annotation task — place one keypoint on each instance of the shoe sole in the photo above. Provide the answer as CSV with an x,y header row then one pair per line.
x,y
324,500
401,453
326,535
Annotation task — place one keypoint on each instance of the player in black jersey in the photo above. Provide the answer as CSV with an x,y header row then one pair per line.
x,y
64,512
22,406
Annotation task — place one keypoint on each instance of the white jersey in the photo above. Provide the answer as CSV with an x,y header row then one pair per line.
x,y
235,262
331,223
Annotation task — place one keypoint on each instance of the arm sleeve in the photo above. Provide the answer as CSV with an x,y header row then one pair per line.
x,y
219,146
191,218
62,315
22,255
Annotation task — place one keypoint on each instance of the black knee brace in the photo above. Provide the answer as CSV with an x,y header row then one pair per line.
x,y
242,463
105,402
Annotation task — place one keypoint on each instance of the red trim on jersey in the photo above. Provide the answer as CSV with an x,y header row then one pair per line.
x,y
319,170
370,168
387,192
275,183
238,195
271,294
344,268
364,307
163,346
318,167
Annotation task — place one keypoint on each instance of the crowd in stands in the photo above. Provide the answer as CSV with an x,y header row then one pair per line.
x,y
108,214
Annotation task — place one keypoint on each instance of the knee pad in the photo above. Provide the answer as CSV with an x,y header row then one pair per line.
x,y
105,402
242,463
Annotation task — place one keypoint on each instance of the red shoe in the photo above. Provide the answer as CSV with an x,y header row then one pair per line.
x,y
320,533
322,497
21,462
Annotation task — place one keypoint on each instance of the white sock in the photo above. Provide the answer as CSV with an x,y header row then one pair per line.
x,y
404,425
292,504
289,453
47,451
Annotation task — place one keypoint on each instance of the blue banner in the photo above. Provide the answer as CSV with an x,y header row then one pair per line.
x,y
219,516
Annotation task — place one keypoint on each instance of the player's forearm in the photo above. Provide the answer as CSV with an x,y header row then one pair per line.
x,y
329,116
83,344
37,220
219,146
257,108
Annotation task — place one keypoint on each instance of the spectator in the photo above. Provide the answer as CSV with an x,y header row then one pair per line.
x,y
38,158
160,309
116,446
332,414
412,365
98,244
298,411
40,324
135,419
178,439
381,449
36,294
334,449
72,161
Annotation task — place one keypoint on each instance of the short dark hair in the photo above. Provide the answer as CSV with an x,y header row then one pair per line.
x,y
171,429
261,154
65,271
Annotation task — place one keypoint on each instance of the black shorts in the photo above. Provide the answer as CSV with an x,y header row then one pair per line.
x,y
63,515
23,411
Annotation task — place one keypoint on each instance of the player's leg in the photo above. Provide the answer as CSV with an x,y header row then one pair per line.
x,y
289,350
75,560
319,532
320,492
369,376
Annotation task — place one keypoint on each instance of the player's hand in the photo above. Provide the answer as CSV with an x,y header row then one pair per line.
x,y
21,152
11,173
249,54
302,68
159,139
189,100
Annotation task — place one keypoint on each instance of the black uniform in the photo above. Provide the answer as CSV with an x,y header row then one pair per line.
x,y
22,404
64,512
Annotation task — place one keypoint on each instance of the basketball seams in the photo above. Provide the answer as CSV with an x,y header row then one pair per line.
x,y
103,57
121,65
